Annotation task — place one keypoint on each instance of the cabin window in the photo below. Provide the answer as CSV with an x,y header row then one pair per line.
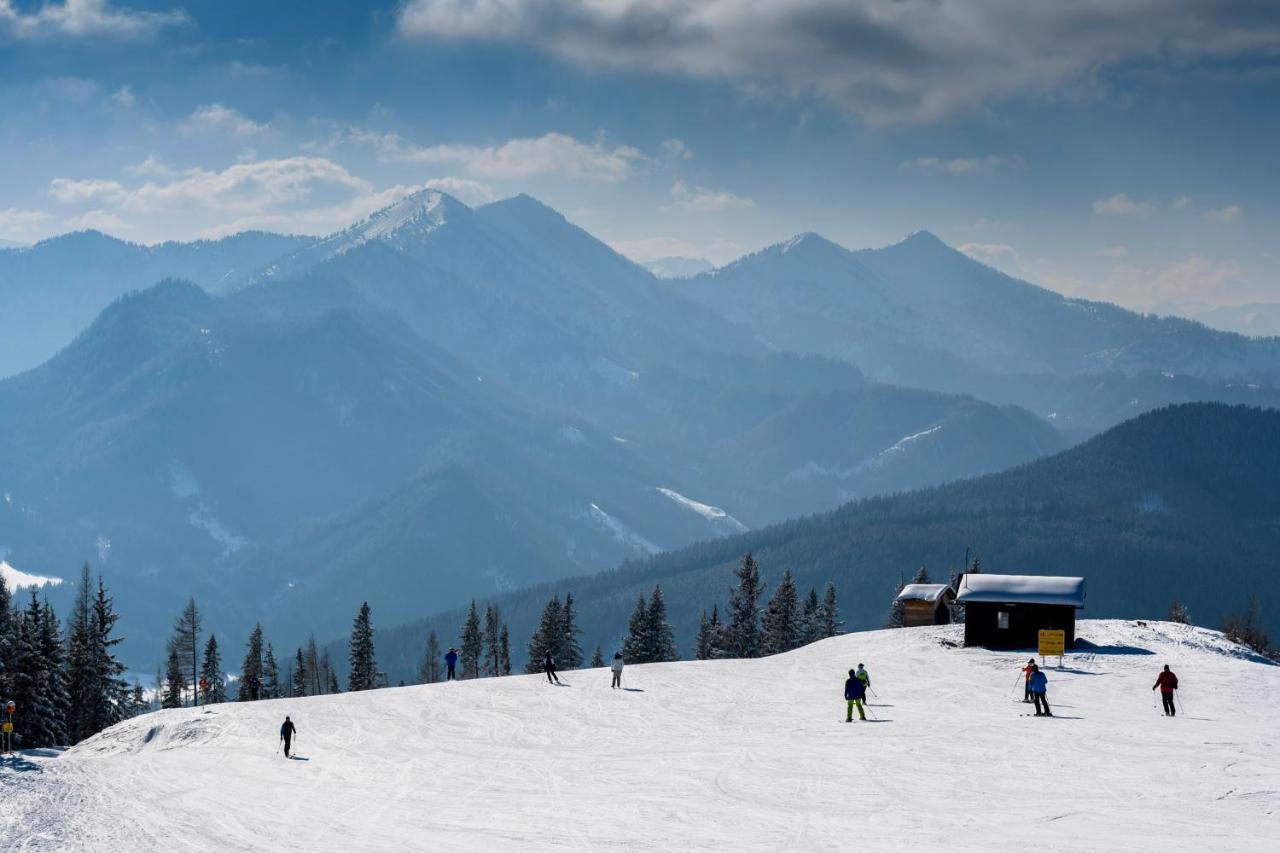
x,y
1002,620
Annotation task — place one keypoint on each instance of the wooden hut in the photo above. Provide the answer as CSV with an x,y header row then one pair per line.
x,y
926,604
1008,611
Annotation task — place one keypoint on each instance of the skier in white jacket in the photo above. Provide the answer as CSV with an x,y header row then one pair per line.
x,y
616,666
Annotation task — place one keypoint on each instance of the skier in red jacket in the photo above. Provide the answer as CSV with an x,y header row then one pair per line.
x,y
1167,682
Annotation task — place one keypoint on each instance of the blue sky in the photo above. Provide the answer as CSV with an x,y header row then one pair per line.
x,y
1117,149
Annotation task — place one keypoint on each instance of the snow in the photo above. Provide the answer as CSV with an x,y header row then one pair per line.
x,y
708,755
622,533
18,580
1025,589
922,592
711,513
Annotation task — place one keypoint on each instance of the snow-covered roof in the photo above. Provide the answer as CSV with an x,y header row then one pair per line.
x,y
1022,589
922,592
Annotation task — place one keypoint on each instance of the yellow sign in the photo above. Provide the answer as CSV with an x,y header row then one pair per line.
x,y
7,728
1053,643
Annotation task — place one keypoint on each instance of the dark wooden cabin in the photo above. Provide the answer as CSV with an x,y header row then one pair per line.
x,y
1009,611
926,604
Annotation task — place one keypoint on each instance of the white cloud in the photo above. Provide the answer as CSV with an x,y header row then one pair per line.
x,y
718,252
1121,205
151,167
22,226
1226,215
887,60
696,199
676,149
85,18
221,119
124,97
1000,255
1194,278
962,165
1115,252
97,220
70,191
551,154
1182,202
468,191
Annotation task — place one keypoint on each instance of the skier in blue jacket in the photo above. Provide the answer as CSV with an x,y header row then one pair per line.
x,y
451,661
1039,684
854,692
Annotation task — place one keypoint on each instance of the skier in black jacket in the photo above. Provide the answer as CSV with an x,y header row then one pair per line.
x,y
549,665
287,731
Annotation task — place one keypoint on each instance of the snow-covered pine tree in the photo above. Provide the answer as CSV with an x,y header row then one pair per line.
x,y
638,645
52,652
781,624
215,680
597,657
504,647
829,622
545,636
492,651
251,682
809,617
186,639
270,675
299,678
570,653
921,576
742,634
364,669
896,616
6,637
429,669
113,690
661,634
472,647
173,679
26,684
1178,612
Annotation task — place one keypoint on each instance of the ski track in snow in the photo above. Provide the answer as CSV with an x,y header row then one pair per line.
x,y
712,755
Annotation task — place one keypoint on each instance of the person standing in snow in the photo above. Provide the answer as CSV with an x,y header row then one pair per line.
x,y
451,661
1038,684
1167,682
549,666
854,692
864,677
1026,680
616,667
287,731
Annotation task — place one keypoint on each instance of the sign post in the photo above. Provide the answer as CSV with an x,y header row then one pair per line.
x,y
1053,643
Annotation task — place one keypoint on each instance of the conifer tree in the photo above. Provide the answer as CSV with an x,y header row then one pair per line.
x,y
26,684
921,576
597,658
364,670
781,625
429,670
299,677
270,675
6,638
570,652
896,617
331,680
472,644
660,633
504,647
742,634
829,622
492,649
702,643
112,690
53,656
638,645
186,639
545,638
809,627
173,679
211,674
1178,612
251,674
81,681
315,668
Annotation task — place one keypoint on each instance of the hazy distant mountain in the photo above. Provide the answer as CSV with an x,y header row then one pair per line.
x,y
1257,319
438,403
1177,502
51,291
923,314
10,244
678,267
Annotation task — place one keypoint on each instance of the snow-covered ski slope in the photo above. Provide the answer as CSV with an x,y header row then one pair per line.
x,y
717,755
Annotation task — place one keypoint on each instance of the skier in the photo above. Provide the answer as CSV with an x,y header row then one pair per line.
x,y
854,692
1167,682
1038,684
549,665
616,667
864,677
451,661
1026,680
287,731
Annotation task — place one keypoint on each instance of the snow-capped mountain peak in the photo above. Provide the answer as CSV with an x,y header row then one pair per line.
x,y
414,215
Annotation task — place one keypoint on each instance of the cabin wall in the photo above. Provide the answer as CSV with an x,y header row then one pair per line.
x,y
1025,621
